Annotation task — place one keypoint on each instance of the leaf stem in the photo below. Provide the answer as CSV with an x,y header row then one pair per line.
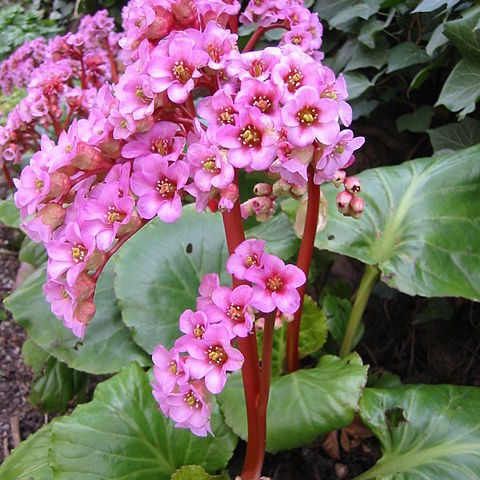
x,y
361,298
257,34
7,175
253,463
303,262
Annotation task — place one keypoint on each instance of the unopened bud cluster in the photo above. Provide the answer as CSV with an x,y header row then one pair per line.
x,y
348,203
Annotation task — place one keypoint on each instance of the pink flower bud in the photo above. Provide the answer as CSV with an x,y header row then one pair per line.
x,y
87,157
112,148
84,312
84,287
60,184
228,197
356,207
343,201
262,189
281,187
261,205
339,178
352,185
162,24
246,208
52,215
263,217
297,191
185,13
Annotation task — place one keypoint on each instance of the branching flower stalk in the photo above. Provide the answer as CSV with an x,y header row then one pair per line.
x,y
189,113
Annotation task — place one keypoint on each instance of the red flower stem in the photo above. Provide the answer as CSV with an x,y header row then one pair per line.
x,y
257,34
56,125
267,344
252,466
69,117
7,175
113,66
83,78
303,262
233,23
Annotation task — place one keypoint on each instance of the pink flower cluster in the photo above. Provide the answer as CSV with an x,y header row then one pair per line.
x,y
62,80
348,203
197,366
188,112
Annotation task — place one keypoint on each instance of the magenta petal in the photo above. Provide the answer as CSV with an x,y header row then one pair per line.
x,y
288,300
197,368
170,211
221,297
148,205
294,276
215,381
261,300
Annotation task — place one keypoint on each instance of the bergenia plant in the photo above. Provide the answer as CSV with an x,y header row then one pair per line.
x,y
189,113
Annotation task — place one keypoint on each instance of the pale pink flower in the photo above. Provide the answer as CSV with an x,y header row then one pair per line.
x,y
247,255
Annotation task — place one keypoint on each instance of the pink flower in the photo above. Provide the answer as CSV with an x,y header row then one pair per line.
x,y
212,357
247,255
169,368
176,70
276,285
193,325
157,184
208,284
251,142
233,309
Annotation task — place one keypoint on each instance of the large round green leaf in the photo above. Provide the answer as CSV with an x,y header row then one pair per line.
x,y
421,225
123,434
426,432
29,461
107,345
303,405
159,270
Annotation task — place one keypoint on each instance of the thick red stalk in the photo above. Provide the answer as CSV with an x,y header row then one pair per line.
x,y
83,77
113,66
303,262
252,466
7,175
257,34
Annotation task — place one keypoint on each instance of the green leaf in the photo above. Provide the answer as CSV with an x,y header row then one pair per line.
x,y
369,30
337,311
420,225
405,55
342,11
121,433
107,345
418,121
195,472
57,386
313,328
363,108
34,356
436,40
159,270
357,83
425,431
9,213
431,5
303,405
463,35
368,57
455,136
436,309
30,459
461,90
32,253
279,235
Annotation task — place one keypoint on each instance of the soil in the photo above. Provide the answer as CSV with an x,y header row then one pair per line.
x,y
438,349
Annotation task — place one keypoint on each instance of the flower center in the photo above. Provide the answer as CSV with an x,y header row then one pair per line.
x,y
250,136
217,355
172,367
64,294
209,165
329,94
274,284
199,331
181,72
214,53
166,188
140,94
262,103
226,117
191,400
235,313
161,146
38,184
257,67
113,215
297,40
339,148
307,115
251,260
294,80
78,252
